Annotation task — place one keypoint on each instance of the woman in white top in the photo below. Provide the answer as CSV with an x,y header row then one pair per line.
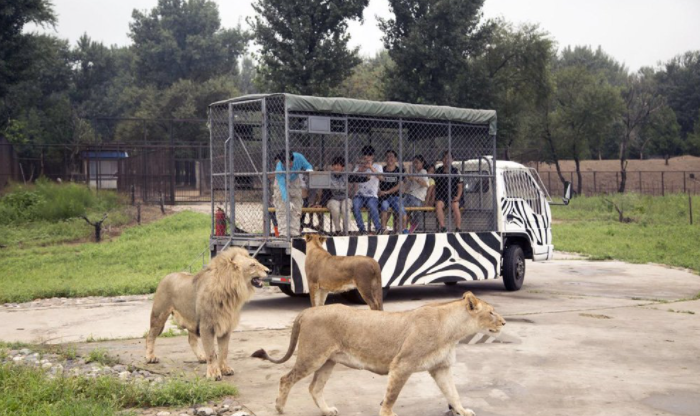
x,y
415,191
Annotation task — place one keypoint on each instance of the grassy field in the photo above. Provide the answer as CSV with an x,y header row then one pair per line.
x,y
26,391
659,231
132,263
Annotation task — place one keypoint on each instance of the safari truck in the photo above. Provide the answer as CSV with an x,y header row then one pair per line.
x,y
498,212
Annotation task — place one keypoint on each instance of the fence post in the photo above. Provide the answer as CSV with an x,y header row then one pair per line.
x,y
663,187
690,208
617,180
173,166
684,188
640,181
595,184
549,181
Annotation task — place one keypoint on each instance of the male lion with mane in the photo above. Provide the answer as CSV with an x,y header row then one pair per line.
x,y
208,305
394,343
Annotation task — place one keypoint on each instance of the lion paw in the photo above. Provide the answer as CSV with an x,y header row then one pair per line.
x,y
202,359
279,408
463,412
152,360
214,373
331,411
227,371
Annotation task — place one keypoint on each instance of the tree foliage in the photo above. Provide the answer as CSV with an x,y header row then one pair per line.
x,y
183,39
304,43
431,43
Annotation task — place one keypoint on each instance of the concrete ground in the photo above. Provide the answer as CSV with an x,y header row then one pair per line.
x,y
593,338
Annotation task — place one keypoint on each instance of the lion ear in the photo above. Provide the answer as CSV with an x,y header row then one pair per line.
x,y
321,239
473,303
234,265
307,237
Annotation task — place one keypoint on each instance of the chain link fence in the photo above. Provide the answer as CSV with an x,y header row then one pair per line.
x,y
277,173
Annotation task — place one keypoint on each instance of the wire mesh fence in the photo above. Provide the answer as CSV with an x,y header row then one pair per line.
x,y
658,183
277,173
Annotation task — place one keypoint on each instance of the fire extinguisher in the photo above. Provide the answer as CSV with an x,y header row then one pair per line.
x,y
220,222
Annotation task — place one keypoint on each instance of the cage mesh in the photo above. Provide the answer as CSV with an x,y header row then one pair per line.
x,y
248,139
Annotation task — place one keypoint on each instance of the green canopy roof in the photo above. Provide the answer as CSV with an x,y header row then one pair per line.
x,y
352,106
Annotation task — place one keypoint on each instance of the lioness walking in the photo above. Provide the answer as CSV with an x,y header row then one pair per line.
x,y
326,274
394,343
207,304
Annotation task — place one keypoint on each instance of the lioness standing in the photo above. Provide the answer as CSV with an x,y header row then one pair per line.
x,y
394,343
207,304
326,274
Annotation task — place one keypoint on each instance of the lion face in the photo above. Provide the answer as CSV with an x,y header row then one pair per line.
x,y
252,270
314,240
488,319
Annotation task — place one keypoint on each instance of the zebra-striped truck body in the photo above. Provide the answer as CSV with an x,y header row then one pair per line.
x,y
524,219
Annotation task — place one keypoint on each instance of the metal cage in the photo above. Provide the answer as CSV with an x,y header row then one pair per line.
x,y
250,134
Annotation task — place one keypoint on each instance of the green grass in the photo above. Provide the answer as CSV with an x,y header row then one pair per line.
x,y
100,355
133,263
49,213
659,231
28,392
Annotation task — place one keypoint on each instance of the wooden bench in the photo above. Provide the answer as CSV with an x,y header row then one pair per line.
x,y
322,211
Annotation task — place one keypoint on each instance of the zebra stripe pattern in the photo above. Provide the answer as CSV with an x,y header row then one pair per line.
x,y
521,216
413,259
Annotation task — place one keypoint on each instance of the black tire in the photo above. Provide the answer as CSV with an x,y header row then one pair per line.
x,y
287,290
513,268
449,283
353,296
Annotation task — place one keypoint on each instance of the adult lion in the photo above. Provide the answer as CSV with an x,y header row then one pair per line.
x,y
394,343
208,305
326,274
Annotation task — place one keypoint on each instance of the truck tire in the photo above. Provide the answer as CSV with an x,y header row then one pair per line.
x,y
513,267
353,296
287,290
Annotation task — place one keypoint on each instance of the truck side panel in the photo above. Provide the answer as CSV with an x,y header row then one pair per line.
x,y
413,259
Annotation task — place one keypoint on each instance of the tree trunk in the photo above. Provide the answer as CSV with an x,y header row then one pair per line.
x,y
550,142
666,158
579,185
623,162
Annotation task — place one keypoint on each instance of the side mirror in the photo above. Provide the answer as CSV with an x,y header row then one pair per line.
x,y
567,193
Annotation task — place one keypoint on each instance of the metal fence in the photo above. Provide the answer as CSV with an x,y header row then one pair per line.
x,y
251,139
174,173
658,183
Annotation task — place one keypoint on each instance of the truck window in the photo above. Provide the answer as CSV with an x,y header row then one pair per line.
x,y
519,184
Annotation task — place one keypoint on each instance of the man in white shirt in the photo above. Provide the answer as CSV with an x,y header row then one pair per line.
x,y
366,194
416,190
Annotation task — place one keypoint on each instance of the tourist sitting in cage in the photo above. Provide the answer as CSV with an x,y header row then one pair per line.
x,y
389,191
336,197
366,193
291,191
448,193
430,194
415,192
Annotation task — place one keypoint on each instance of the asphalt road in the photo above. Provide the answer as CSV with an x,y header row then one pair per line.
x,y
593,338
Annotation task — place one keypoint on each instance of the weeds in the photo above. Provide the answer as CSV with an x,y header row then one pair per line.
x,y
27,391
99,355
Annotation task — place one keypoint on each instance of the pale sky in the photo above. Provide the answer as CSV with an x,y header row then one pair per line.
x,y
635,32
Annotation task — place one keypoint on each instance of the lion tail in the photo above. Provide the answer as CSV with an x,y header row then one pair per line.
x,y
261,353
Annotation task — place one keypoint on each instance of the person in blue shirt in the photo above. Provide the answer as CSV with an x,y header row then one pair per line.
x,y
291,191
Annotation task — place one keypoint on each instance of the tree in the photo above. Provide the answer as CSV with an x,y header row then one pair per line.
x,y
183,39
304,43
586,106
679,83
431,43
515,71
640,102
18,50
246,76
692,142
367,79
661,135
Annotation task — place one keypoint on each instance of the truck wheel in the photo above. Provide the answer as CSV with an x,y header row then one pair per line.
x,y
287,290
513,267
353,296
